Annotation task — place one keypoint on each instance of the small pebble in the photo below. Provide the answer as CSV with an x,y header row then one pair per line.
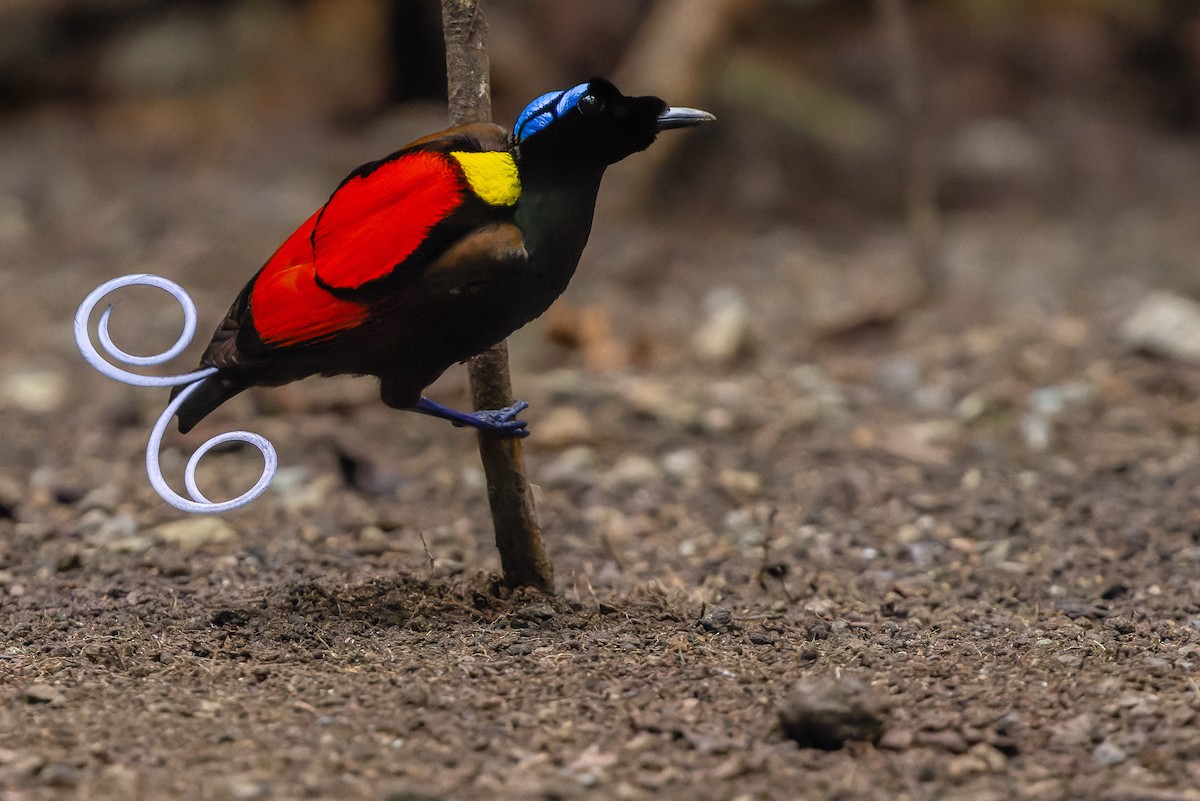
x,y
194,533
60,774
945,739
563,427
661,401
633,471
741,485
105,498
1165,324
828,713
724,333
12,492
42,694
1106,753
538,612
683,464
575,465
115,781
445,567
33,390
897,739
717,620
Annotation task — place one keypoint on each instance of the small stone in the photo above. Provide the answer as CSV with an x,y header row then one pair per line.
x,y
67,557
1107,753
1054,400
12,492
899,377
33,390
813,382
575,465
22,765
963,765
718,420
60,774
660,401
134,544
563,427
298,492
115,781
717,620
105,498
444,567
725,332
741,485
991,756
1037,431
971,407
192,534
247,789
414,694
762,638
372,541
945,739
538,612
1165,324
926,442
91,521
828,713
971,479
897,739
115,528
1074,732
43,694
683,464
633,471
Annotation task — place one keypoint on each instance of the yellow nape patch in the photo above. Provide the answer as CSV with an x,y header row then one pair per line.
x,y
492,176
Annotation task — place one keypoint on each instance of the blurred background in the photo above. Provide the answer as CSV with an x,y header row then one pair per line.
x,y
884,175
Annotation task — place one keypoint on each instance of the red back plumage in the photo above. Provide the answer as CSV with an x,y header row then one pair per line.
x,y
374,221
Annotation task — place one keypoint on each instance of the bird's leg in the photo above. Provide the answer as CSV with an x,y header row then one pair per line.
x,y
501,422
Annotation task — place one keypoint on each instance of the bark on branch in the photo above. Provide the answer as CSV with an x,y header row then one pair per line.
x,y
518,536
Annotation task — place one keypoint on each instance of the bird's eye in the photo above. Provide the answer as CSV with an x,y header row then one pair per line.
x,y
589,104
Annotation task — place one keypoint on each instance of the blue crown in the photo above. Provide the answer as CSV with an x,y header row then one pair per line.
x,y
545,110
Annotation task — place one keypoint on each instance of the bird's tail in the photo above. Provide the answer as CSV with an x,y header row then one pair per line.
x,y
213,391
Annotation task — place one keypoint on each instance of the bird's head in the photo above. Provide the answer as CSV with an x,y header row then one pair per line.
x,y
594,125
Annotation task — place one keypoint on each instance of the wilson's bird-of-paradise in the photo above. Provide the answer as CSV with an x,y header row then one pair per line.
x,y
432,255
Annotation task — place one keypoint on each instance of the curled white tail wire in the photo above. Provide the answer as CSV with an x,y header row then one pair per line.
x,y
198,503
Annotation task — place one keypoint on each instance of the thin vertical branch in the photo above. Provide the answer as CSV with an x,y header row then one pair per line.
x,y
920,192
518,535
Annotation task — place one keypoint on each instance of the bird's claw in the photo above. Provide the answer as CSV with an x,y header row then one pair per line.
x,y
501,422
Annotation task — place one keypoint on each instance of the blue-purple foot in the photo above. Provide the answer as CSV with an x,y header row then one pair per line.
x,y
499,422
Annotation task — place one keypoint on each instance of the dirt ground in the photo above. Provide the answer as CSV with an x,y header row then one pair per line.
x,y
980,517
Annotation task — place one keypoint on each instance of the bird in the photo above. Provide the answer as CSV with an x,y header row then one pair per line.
x,y
433,254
